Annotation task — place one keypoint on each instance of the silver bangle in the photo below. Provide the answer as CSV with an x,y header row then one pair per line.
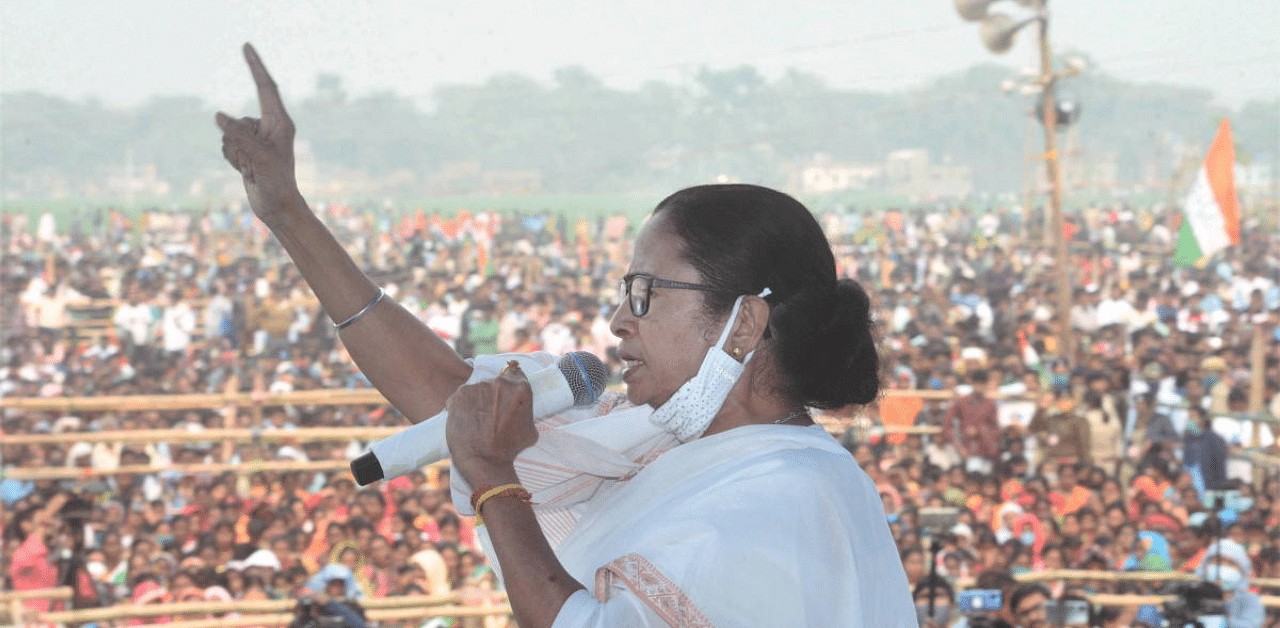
x,y
368,306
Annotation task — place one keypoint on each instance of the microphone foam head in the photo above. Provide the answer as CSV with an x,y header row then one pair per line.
x,y
586,376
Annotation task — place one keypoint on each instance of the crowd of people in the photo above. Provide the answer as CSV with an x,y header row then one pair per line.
x,y
1135,446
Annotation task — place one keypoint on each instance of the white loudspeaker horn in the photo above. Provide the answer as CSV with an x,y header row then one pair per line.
x,y
997,31
972,10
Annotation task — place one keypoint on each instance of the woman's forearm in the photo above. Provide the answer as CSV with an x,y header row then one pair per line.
x,y
537,584
412,366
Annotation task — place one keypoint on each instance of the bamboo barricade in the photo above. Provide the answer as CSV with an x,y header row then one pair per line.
x,y
56,593
178,435
139,403
1129,599
278,612
1116,576
387,615
340,396
12,601
243,468
251,467
320,397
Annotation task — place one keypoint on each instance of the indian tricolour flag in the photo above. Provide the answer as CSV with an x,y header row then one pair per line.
x,y
1212,214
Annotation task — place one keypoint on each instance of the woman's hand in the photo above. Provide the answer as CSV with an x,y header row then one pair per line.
x,y
489,424
262,148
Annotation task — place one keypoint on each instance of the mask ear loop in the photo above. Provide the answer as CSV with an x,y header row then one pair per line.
x,y
733,316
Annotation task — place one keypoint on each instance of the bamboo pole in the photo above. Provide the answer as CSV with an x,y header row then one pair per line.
x,y
483,610
308,434
1257,381
275,619
337,397
284,619
179,435
71,473
243,468
56,593
1127,599
120,611
134,403
394,607
1113,576
1133,599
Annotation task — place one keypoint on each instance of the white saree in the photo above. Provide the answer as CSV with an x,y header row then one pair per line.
x,y
761,525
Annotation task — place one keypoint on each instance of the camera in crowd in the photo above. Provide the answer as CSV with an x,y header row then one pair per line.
x,y
1197,605
311,614
980,606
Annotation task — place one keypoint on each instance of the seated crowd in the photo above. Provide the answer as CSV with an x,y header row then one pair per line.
x,y
1129,446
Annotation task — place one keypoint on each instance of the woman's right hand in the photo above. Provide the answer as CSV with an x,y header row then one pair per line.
x,y
261,149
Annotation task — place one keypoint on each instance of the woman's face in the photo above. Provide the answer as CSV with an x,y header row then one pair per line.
x,y
112,550
1053,560
1126,537
349,558
1110,492
914,566
223,537
663,349
1116,518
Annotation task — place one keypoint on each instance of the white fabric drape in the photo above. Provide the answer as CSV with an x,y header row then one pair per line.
x,y
761,525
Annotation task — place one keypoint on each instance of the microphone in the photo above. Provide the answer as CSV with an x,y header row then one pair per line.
x,y
577,379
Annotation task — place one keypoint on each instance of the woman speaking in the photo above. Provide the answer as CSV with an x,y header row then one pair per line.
x,y
732,323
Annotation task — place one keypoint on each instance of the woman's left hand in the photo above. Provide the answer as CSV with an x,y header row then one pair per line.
x,y
489,424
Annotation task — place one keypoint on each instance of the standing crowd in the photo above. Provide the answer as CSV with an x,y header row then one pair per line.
x,y
1134,447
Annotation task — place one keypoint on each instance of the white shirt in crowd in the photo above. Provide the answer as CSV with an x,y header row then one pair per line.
x,y
177,325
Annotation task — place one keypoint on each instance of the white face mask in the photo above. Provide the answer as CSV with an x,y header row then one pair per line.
x,y
689,412
1228,577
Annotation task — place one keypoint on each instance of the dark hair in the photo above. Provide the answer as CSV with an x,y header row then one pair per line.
x,y
745,238
939,585
1024,591
995,579
908,551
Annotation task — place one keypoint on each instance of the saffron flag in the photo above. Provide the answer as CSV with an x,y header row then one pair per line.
x,y
1211,219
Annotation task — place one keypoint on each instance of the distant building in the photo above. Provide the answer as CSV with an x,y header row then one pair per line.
x,y
824,176
908,172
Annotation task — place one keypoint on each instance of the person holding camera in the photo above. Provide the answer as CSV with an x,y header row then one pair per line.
x,y
938,611
1227,565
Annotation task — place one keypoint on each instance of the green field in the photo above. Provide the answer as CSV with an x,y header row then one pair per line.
x,y
635,206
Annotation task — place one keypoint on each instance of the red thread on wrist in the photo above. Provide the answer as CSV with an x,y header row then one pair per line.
x,y
487,492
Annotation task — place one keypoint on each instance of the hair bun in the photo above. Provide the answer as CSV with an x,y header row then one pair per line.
x,y
827,346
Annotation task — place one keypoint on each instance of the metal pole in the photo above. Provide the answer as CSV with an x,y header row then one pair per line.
x,y
1063,274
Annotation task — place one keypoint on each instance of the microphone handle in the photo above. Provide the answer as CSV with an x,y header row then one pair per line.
x,y
421,444
404,452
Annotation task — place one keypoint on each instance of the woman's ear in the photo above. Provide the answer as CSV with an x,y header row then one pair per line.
x,y
748,331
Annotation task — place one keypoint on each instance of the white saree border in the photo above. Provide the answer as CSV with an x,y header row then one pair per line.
x,y
653,588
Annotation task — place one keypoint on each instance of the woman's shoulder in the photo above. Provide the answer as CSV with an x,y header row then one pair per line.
x,y
804,460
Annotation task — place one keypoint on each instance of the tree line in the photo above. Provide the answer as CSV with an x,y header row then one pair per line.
x,y
582,135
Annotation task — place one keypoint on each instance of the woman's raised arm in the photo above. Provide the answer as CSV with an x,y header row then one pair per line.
x,y
415,369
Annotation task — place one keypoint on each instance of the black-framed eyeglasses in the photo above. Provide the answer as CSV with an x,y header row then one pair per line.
x,y
635,289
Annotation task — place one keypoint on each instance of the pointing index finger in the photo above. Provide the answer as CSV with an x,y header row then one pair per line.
x,y
268,96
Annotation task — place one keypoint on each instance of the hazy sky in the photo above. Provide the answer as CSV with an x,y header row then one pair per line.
x,y
125,51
